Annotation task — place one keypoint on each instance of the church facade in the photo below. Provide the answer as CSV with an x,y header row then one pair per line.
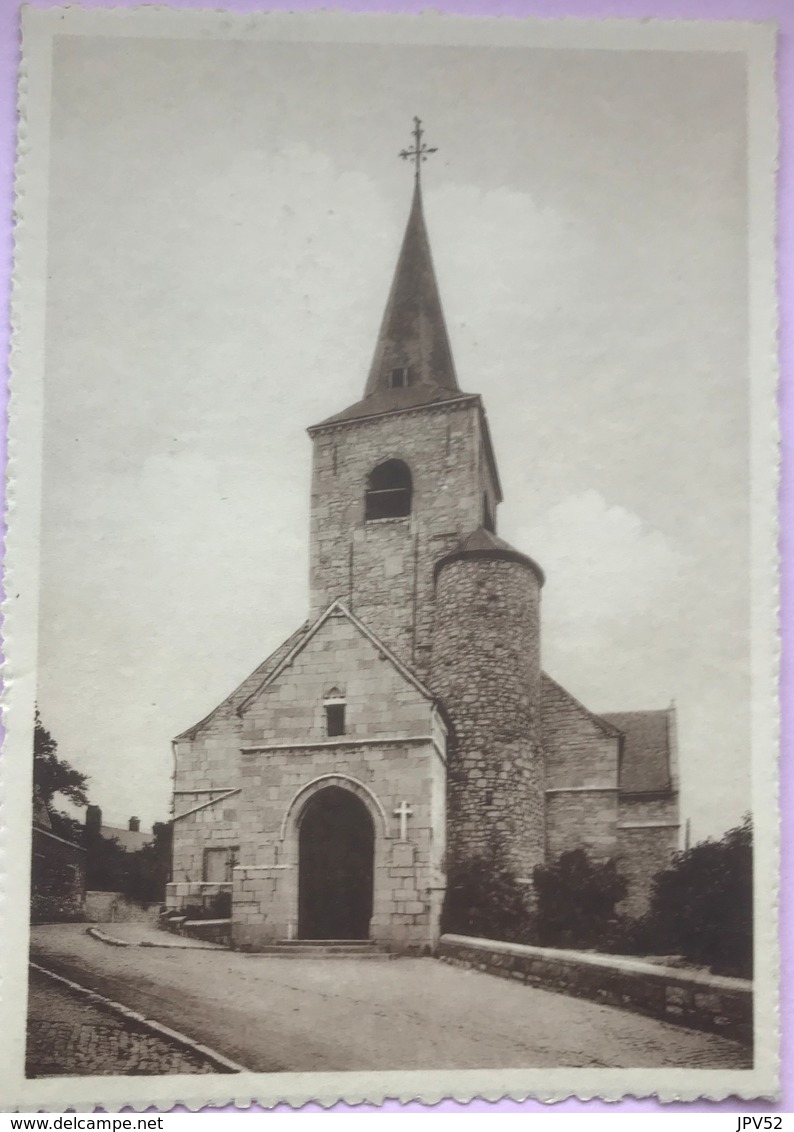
x,y
408,723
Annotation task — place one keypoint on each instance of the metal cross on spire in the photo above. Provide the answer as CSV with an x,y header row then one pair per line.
x,y
419,152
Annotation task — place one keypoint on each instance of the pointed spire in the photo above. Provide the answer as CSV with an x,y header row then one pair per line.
x,y
413,346
412,364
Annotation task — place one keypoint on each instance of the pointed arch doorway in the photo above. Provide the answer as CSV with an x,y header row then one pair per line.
x,y
335,866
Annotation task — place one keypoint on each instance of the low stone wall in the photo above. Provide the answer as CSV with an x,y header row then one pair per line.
x,y
212,931
704,1002
114,907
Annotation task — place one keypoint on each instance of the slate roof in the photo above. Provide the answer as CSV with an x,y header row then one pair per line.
x,y
250,684
413,331
645,765
129,839
413,334
482,543
394,400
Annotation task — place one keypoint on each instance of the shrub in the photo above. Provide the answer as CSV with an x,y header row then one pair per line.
x,y
702,906
576,900
219,907
629,935
148,869
141,875
483,898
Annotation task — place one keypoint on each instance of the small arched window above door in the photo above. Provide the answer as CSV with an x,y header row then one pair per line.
x,y
389,491
335,706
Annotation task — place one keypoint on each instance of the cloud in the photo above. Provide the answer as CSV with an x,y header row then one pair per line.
x,y
506,266
610,577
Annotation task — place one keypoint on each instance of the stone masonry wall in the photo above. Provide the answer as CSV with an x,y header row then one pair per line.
x,y
379,701
213,826
384,568
581,758
211,759
648,836
392,773
580,749
584,819
408,874
486,669
649,808
392,752
641,854
207,766
180,895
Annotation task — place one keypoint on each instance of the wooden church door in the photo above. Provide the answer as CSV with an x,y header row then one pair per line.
x,y
335,872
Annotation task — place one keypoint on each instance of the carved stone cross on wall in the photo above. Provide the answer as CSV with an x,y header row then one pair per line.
x,y
403,812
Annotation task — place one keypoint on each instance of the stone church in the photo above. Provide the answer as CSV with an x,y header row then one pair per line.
x,y
408,723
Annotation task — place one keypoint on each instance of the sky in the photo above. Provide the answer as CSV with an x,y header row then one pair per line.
x,y
224,223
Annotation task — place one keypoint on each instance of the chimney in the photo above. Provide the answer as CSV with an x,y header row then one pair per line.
x,y
135,825
93,819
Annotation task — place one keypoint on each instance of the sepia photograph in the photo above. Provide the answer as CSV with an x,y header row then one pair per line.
x,y
394,523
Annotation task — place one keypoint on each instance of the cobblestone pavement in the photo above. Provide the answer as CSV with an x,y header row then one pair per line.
x,y
70,1037
271,1014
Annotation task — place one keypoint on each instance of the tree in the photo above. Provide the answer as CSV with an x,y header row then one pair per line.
x,y
107,862
51,775
576,899
483,898
140,875
150,867
703,904
67,827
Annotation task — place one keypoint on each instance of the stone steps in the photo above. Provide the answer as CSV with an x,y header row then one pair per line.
x,y
326,949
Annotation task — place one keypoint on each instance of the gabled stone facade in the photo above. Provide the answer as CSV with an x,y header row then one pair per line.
x,y
408,725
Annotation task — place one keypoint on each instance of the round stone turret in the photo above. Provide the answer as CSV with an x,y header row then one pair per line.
x,y
486,671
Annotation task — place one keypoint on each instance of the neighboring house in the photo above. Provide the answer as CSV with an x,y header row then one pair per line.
x,y
58,872
130,839
408,724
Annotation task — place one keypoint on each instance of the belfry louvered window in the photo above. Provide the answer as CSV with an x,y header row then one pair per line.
x,y
389,491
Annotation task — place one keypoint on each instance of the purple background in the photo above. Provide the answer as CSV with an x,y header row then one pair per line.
x,y
780,11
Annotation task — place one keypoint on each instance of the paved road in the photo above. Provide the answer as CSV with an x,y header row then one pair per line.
x,y
295,1015
69,1036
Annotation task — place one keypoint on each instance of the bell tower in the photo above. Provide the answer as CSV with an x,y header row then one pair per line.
x,y
403,474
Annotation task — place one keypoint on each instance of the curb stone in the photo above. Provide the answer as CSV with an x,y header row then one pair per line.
x,y
103,937
114,941
181,946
